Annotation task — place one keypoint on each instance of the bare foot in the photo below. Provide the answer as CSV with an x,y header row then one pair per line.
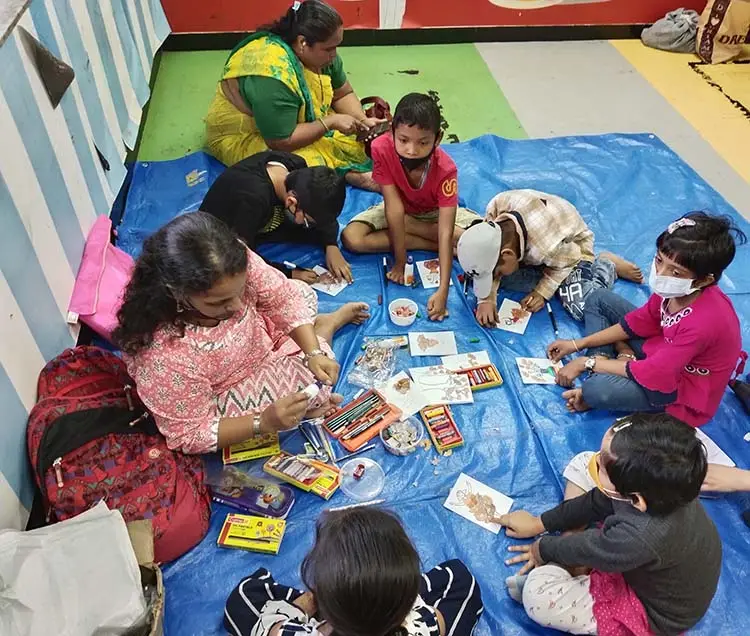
x,y
327,409
328,324
362,180
625,269
575,401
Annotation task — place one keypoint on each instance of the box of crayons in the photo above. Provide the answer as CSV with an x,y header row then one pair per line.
x,y
263,446
258,534
442,427
482,377
361,420
309,475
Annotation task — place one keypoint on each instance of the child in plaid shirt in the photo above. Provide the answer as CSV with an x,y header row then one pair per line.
x,y
537,243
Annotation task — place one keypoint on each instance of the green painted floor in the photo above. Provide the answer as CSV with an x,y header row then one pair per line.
x,y
473,104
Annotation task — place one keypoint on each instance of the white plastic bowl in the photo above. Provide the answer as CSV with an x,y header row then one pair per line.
x,y
402,321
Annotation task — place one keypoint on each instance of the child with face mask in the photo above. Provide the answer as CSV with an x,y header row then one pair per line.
x,y
652,554
677,352
420,197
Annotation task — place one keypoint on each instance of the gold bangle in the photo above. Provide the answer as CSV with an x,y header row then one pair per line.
x,y
320,119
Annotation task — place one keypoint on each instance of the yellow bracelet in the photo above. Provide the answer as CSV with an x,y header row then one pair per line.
x,y
320,119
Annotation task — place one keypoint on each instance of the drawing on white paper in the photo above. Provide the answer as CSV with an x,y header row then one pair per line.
x,y
429,273
538,370
714,454
326,282
466,360
432,343
511,317
439,385
477,502
403,393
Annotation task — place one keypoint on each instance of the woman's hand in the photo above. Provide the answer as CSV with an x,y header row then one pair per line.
x,y
324,369
284,413
371,122
345,124
567,375
520,524
561,348
529,556
487,313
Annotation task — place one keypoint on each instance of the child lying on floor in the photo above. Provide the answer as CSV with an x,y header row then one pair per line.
x,y
364,579
534,242
679,350
655,557
420,197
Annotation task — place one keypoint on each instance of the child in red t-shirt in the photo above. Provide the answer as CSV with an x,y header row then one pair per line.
x,y
420,197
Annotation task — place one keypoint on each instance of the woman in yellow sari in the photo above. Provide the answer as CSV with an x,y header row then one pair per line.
x,y
284,88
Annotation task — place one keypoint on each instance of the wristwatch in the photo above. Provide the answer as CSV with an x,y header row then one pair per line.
x,y
312,354
590,363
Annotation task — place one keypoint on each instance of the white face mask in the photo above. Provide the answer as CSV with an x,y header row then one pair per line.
x,y
669,286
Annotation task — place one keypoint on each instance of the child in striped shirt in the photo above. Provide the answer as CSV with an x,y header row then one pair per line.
x,y
537,243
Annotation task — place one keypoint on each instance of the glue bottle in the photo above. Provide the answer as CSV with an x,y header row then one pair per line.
x,y
409,271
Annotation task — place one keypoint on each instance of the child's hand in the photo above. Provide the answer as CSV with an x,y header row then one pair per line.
x,y
561,348
520,524
529,553
305,275
337,265
436,306
487,313
533,302
397,273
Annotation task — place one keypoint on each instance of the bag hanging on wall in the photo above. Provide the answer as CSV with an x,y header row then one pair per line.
x,y
102,277
722,30
90,438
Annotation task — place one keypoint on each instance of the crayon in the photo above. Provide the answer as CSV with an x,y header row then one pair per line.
x,y
434,411
473,339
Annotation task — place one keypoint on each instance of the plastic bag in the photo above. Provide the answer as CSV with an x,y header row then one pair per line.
x,y
676,32
376,364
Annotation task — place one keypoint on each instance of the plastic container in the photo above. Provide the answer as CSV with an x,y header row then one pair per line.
x,y
402,321
367,487
403,450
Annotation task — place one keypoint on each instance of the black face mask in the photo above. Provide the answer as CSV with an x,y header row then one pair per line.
x,y
412,164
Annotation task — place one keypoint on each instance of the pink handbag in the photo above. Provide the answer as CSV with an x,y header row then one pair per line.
x,y
100,284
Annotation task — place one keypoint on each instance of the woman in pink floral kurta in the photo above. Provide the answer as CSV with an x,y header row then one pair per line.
x,y
220,343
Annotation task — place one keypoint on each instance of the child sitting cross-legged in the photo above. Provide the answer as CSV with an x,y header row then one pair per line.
x,y
363,579
420,197
652,553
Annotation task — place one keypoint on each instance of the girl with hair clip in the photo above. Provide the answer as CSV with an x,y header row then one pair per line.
x,y
676,353
363,578
284,88
650,559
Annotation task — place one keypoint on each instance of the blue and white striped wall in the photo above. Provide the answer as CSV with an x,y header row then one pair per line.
x,y
53,185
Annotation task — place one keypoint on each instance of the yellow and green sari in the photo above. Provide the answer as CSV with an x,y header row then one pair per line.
x,y
232,135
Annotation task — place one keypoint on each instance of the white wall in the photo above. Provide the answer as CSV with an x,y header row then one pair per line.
x,y
53,185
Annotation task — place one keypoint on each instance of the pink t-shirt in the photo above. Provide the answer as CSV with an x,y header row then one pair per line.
x,y
439,190
690,355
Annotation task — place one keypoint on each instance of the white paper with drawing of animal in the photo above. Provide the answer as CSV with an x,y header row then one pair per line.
x,y
538,370
477,502
432,343
326,282
429,273
510,317
402,392
466,360
439,385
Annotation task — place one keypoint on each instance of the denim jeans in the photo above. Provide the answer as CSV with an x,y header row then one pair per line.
x,y
601,390
585,278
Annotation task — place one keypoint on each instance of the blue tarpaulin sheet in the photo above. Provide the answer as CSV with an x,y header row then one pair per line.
x,y
518,438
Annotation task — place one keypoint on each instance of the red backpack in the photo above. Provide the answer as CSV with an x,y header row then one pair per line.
x,y
90,438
